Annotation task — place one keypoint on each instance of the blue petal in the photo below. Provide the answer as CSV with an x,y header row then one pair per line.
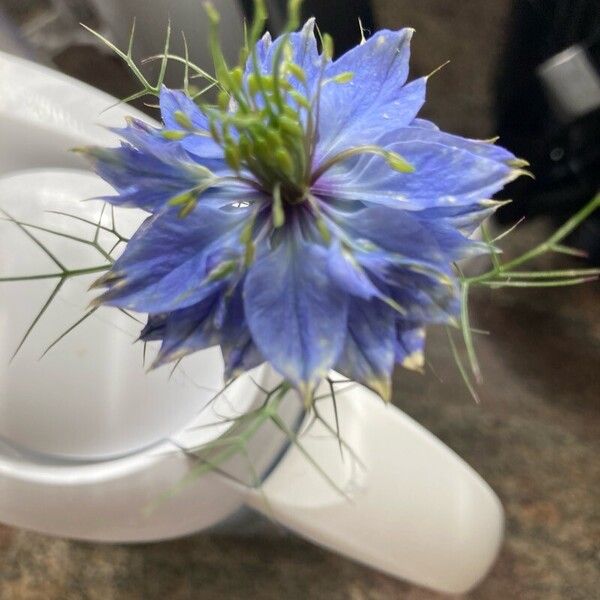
x,y
465,219
416,292
142,136
145,179
199,142
423,298
186,331
409,344
348,274
155,327
409,259
261,50
218,319
240,353
167,264
304,53
444,176
368,354
376,99
172,101
201,145
150,140
263,46
408,234
485,148
424,124
297,316
418,288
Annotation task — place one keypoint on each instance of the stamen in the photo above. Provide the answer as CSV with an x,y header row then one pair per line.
x,y
274,138
344,77
394,160
278,215
258,23
222,270
173,135
182,119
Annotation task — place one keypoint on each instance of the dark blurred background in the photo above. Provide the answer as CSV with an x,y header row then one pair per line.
x,y
527,70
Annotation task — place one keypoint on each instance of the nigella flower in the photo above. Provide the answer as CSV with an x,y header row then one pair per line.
x,y
310,219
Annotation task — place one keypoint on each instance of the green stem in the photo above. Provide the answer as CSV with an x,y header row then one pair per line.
x,y
461,367
539,284
467,333
66,274
552,242
550,274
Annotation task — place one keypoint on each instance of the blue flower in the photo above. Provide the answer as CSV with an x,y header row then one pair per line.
x,y
309,219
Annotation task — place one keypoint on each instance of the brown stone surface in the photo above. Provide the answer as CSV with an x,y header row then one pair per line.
x,y
534,437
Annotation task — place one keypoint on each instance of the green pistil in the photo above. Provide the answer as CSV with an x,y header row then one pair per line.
x,y
278,214
269,139
265,124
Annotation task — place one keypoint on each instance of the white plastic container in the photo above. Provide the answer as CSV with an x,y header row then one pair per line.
x,y
89,441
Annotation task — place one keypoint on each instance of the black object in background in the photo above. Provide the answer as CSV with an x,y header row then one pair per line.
x,y
339,18
549,111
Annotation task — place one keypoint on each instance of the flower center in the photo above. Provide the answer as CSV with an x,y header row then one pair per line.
x,y
265,119
264,124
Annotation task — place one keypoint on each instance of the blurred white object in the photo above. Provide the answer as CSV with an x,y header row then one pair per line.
x,y
105,403
53,26
56,26
416,510
10,39
572,83
187,16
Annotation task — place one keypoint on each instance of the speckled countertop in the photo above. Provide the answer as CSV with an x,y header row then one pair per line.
x,y
535,437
